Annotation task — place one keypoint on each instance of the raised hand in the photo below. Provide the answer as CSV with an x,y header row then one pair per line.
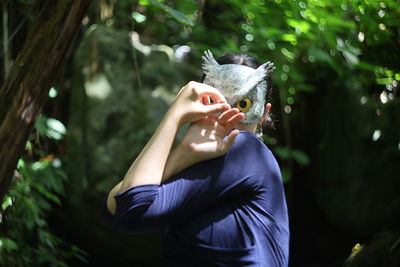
x,y
189,104
212,136
205,139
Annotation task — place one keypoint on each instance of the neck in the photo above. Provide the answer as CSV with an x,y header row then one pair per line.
x,y
247,127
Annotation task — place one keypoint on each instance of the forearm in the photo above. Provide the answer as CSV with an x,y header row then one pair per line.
x,y
178,160
149,165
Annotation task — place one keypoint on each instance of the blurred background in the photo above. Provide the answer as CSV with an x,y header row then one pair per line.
x,y
334,102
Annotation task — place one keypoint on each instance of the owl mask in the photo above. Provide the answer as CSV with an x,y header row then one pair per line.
x,y
243,87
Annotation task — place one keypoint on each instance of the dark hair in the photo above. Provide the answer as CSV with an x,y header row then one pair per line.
x,y
249,61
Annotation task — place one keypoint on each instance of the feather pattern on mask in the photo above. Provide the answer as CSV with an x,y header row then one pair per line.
x,y
238,82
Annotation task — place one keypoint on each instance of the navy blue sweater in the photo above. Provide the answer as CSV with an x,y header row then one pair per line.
x,y
228,211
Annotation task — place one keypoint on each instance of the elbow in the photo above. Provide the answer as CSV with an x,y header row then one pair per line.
x,y
131,208
132,220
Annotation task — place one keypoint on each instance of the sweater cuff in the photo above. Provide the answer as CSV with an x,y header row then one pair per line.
x,y
132,205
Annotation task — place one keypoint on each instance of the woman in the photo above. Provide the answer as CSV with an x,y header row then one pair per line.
x,y
218,194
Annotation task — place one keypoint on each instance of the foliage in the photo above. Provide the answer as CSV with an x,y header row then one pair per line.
x,y
335,89
335,103
309,41
50,127
175,14
37,189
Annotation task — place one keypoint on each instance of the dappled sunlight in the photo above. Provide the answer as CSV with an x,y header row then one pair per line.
x,y
335,116
98,87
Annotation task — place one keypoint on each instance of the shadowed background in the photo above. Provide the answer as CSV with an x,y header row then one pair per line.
x,y
335,104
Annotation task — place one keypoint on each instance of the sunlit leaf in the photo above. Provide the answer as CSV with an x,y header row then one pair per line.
x,y
367,66
50,127
350,57
384,80
21,163
303,26
174,13
53,92
56,126
144,2
338,21
289,37
7,244
7,202
139,18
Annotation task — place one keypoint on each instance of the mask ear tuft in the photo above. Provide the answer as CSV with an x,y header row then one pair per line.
x,y
209,62
266,69
260,75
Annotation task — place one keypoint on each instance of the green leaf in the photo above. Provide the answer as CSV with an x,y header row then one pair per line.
x,y
55,128
174,13
50,127
144,2
53,92
337,21
306,87
289,38
300,157
286,175
47,194
289,55
319,54
7,244
139,18
282,152
303,26
297,155
21,164
350,56
384,81
7,202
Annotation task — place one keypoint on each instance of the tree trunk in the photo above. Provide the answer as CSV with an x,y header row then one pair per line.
x,y
26,88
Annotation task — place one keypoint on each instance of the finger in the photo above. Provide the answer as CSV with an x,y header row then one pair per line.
x,y
229,141
267,108
216,96
214,109
205,100
226,115
201,89
234,120
206,90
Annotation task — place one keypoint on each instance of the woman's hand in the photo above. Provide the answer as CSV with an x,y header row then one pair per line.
x,y
212,136
190,106
205,139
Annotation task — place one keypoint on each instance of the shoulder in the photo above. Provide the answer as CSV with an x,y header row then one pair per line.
x,y
251,153
247,144
250,157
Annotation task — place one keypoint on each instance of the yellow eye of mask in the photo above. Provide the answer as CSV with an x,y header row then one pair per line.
x,y
244,104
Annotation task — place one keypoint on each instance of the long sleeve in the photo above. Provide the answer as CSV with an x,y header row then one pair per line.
x,y
197,188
